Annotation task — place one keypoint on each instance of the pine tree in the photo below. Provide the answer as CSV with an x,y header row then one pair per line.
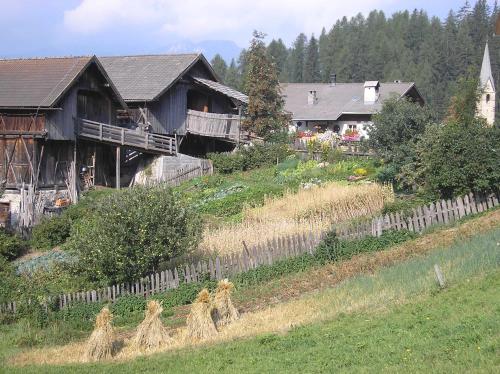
x,y
311,72
278,53
264,115
232,79
297,57
219,66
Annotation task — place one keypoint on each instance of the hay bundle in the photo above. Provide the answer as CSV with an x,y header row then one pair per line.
x,y
151,333
100,343
224,311
199,322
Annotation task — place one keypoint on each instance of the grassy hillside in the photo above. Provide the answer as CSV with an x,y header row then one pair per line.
x,y
364,323
452,331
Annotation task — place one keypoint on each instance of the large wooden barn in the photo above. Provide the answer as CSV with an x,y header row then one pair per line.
x,y
67,124
180,95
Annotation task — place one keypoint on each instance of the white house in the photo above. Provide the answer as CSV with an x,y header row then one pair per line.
x,y
341,106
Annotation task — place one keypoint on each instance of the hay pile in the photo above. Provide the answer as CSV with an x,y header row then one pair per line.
x,y
224,311
151,333
100,344
199,322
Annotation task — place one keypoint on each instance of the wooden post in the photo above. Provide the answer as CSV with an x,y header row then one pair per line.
x,y
118,153
439,276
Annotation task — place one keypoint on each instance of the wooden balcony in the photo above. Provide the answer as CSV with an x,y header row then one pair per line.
x,y
226,126
145,142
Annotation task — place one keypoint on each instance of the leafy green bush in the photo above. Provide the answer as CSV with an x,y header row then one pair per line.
x,y
131,233
248,158
11,245
54,231
80,315
458,158
51,232
128,304
333,249
184,294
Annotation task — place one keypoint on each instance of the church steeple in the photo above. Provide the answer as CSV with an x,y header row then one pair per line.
x,y
486,74
487,103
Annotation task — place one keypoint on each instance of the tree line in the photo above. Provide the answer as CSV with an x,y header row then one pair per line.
x,y
407,46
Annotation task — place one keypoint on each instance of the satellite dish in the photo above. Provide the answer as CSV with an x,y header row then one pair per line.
x,y
497,25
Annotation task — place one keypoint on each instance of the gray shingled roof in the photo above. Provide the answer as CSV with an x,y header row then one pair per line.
x,y
225,90
333,101
37,82
144,78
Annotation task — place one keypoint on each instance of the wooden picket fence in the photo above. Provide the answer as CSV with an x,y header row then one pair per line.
x,y
279,248
188,172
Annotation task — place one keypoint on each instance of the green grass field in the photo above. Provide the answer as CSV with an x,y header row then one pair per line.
x,y
402,322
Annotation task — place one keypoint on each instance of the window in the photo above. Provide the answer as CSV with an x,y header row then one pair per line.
x,y
336,128
487,98
352,127
299,124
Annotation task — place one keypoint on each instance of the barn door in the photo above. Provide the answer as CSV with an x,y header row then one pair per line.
x,y
93,106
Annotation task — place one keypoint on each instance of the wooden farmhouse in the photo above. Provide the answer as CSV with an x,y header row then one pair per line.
x,y
67,124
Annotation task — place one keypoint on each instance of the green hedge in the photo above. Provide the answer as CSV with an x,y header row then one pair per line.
x,y
248,158
11,245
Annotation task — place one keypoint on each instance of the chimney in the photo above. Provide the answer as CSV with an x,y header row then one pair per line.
x,y
333,80
311,97
372,89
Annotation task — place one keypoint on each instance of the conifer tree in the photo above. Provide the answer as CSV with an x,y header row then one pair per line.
x,y
311,72
278,53
232,79
297,57
219,65
264,116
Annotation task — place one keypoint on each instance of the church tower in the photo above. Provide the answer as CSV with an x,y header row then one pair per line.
x,y
487,102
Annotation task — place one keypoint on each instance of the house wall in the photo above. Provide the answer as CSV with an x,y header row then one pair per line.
x,y
340,126
60,124
168,114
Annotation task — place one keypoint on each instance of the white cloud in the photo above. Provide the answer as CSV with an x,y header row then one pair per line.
x,y
215,19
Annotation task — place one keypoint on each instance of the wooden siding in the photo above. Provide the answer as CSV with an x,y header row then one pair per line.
x,y
11,124
213,125
168,114
60,123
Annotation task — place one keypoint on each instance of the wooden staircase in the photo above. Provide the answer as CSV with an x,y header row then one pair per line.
x,y
143,142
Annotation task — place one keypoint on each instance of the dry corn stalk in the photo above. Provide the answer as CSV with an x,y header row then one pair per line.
x,y
100,344
224,311
151,333
199,322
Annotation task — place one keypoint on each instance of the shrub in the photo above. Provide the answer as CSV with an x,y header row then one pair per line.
x,y
54,231
131,233
360,172
11,245
50,232
333,249
248,158
458,158
184,294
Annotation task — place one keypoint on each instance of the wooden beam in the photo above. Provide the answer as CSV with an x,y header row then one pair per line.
x,y
118,153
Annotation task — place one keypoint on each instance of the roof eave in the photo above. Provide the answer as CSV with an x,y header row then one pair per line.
x,y
109,81
70,83
199,57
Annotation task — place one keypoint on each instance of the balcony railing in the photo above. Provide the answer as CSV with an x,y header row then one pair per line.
x,y
213,124
152,143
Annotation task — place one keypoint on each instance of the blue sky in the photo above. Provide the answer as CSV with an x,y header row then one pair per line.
x,y
34,28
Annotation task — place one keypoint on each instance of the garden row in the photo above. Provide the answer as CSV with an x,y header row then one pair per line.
x,y
440,212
